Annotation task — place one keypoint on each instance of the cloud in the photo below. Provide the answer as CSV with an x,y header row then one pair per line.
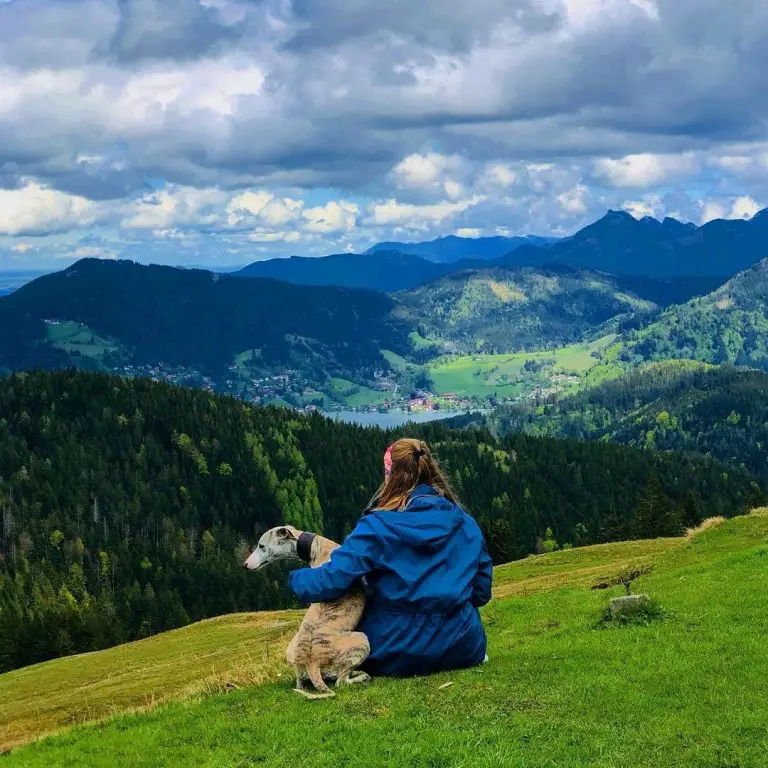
x,y
738,208
21,248
168,29
645,170
393,213
432,116
93,252
649,205
37,210
332,217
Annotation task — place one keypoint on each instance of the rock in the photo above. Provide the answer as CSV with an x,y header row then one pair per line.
x,y
629,605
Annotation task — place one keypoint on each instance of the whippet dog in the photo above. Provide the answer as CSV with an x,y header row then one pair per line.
x,y
326,644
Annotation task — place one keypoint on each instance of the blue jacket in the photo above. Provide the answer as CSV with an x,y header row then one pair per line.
x,y
427,571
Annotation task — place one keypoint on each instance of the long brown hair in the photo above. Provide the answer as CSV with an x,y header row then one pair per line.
x,y
412,465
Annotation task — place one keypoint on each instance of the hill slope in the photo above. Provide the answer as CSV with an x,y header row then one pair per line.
x,y
688,689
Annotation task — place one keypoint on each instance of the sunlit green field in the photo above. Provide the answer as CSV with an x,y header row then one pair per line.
x,y
503,375
688,688
73,337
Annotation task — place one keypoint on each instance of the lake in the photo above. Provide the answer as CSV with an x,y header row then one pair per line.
x,y
389,419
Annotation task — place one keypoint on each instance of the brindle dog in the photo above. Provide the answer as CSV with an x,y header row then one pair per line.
x,y
326,645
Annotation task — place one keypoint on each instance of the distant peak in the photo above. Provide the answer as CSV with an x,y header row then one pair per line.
x,y
613,215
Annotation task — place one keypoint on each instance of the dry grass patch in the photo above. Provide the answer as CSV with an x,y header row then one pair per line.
x,y
209,657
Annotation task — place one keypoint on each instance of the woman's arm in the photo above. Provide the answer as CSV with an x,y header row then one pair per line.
x,y
481,584
352,560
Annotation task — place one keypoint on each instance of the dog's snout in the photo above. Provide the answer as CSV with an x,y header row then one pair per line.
x,y
245,565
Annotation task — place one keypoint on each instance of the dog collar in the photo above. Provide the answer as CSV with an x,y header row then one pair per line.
x,y
304,546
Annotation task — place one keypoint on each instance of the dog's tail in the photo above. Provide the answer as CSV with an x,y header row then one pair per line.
x,y
316,676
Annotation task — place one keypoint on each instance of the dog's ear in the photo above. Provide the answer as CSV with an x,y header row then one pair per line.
x,y
284,533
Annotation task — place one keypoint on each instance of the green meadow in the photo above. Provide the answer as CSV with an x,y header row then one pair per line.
x,y
505,375
686,687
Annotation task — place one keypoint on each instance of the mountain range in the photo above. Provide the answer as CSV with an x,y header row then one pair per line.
x,y
380,270
236,329
619,244
448,250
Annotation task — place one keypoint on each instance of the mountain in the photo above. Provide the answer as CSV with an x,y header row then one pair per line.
x,y
729,325
620,244
128,506
112,314
452,248
380,270
502,310
720,411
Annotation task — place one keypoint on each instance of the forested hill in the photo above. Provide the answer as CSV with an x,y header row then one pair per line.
x,y
195,319
678,405
729,325
502,310
128,506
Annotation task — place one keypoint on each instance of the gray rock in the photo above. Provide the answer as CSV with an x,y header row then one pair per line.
x,y
629,605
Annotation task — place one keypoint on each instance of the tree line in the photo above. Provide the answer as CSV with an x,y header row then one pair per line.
x,y
127,507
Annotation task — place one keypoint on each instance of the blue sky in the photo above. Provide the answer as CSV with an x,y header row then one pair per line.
x,y
223,131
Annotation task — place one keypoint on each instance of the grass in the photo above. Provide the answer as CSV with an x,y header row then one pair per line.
x,y
688,689
356,395
74,337
503,375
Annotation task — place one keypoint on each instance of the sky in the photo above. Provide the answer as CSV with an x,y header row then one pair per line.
x,y
219,132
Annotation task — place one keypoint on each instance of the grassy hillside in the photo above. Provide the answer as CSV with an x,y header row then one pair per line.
x,y
729,325
689,688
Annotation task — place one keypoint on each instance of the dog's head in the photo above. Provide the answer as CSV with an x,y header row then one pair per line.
x,y
276,544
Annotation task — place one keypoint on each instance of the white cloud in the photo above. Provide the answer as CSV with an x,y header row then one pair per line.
x,y
35,209
738,208
468,232
649,205
391,212
333,217
94,252
261,236
175,207
21,248
500,175
574,201
420,170
263,205
644,170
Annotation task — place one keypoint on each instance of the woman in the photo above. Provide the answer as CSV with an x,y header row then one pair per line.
x,y
426,567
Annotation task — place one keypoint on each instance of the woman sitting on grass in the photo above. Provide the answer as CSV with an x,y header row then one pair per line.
x,y
426,567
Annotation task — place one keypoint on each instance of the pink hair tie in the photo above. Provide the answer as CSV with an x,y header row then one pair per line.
x,y
388,461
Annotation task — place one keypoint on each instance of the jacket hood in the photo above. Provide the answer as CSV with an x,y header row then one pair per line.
x,y
428,522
